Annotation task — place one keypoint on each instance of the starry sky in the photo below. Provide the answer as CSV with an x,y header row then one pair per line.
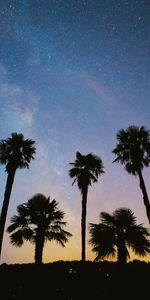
x,y
72,73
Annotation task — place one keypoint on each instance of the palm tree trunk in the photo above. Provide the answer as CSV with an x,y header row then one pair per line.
x,y
122,251
8,189
83,221
122,258
39,247
145,195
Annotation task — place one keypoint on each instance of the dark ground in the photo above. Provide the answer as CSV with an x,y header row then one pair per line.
x,y
74,280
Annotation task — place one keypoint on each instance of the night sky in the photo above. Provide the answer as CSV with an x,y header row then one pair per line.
x,y
72,73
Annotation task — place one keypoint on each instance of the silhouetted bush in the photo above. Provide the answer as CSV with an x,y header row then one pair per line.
x,y
74,280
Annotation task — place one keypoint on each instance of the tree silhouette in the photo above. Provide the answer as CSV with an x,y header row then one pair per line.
x,y
85,171
133,151
38,220
15,152
117,233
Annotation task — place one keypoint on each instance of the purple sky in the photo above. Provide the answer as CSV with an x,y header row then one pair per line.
x,y
72,73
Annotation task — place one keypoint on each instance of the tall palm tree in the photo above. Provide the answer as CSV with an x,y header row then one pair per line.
x,y
117,233
38,220
133,151
15,152
85,171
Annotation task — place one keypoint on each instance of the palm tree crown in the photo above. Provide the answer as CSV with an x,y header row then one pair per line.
x,y
117,233
86,169
133,148
16,152
38,220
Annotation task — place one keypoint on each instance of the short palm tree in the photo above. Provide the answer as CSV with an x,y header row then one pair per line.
x,y
117,233
85,171
38,220
133,151
15,152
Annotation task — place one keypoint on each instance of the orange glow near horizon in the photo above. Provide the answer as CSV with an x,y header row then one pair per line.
x,y
53,252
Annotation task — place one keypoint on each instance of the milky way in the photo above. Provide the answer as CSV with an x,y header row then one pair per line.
x,y
72,73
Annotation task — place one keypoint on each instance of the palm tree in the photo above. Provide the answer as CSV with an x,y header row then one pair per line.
x,y
85,171
38,220
133,151
116,234
15,152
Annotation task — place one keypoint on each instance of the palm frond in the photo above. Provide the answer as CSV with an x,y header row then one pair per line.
x,y
124,217
107,219
103,252
16,238
60,237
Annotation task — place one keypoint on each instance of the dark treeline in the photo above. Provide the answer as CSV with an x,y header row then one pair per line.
x,y
75,280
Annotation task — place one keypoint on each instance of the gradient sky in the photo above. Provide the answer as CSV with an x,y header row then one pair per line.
x,y
72,73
